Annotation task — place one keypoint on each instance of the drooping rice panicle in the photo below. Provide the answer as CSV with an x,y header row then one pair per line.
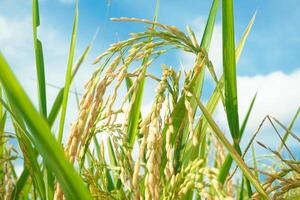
x,y
154,142
176,150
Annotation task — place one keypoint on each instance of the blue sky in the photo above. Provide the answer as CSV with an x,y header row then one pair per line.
x,y
269,63
272,45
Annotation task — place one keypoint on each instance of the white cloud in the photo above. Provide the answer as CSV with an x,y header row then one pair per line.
x,y
16,44
278,94
14,38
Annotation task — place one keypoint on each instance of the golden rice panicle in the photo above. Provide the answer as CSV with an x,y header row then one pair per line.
x,y
169,169
153,162
122,71
199,64
9,181
94,108
154,142
126,169
99,92
76,131
136,173
219,152
77,128
198,177
190,111
115,48
179,185
94,91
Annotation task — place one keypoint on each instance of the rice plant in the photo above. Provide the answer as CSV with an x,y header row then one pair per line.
x,y
117,150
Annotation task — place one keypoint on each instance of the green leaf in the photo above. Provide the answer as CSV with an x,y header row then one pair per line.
x,y
97,147
207,35
205,44
245,121
241,194
59,98
1,108
41,136
29,153
2,139
39,58
20,184
68,76
56,107
112,156
134,112
228,161
234,154
239,48
25,173
215,97
179,112
197,82
229,69
287,132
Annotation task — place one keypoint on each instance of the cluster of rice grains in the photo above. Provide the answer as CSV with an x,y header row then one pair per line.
x,y
146,175
191,177
7,178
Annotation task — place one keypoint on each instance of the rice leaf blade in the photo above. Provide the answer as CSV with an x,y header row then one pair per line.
x,y
42,138
234,154
40,69
229,69
59,98
134,113
68,76
208,32
215,97
179,112
29,153
246,118
228,160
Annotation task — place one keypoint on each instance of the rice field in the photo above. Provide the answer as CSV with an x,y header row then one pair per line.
x,y
115,149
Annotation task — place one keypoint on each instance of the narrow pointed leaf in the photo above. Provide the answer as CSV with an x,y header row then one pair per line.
x,y
229,69
39,58
68,76
234,154
236,136
41,136
228,160
59,98
179,112
134,112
